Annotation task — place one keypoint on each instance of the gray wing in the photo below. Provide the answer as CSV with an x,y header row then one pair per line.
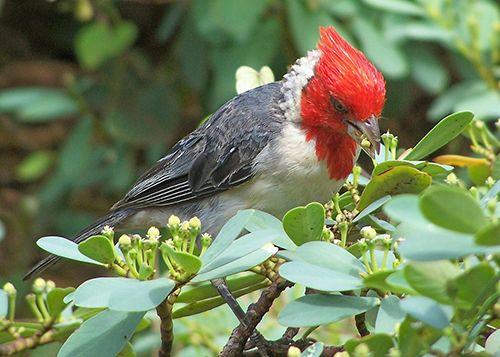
x,y
216,156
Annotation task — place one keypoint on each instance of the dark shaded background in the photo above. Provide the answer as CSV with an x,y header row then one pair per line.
x,y
94,92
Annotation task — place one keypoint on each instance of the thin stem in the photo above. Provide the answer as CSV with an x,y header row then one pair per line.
x,y
164,311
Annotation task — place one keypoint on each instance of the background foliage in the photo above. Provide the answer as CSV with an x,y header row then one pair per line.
x,y
93,92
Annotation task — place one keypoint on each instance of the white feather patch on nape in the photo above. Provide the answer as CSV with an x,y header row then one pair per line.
x,y
294,81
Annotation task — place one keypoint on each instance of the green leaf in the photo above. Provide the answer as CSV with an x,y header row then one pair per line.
x,y
98,248
127,351
103,335
37,104
468,287
319,278
65,248
202,305
239,248
4,304
123,294
404,208
429,167
206,290
34,166
397,6
427,310
427,69
55,300
228,233
220,20
304,24
323,309
329,256
97,42
262,221
386,55
188,262
489,235
244,262
305,224
145,271
378,344
314,350
394,181
429,242
415,338
390,315
398,283
431,278
372,207
441,134
493,192
452,208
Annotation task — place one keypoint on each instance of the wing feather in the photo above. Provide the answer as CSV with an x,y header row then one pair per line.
x,y
216,156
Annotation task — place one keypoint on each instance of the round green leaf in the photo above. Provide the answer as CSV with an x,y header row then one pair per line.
x,y
188,262
489,235
314,350
452,208
322,309
319,278
103,335
444,131
98,248
493,342
404,208
431,278
397,180
122,294
305,224
65,248
55,300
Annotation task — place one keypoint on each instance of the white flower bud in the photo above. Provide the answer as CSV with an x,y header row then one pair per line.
x,y
173,221
125,241
195,223
9,289
153,233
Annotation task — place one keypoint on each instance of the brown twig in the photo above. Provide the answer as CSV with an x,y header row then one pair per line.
x,y
361,325
25,343
254,314
164,311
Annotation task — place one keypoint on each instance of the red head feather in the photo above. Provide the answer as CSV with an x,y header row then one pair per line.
x,y
345,85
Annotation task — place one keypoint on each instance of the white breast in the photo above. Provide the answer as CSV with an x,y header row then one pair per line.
x,y
288,175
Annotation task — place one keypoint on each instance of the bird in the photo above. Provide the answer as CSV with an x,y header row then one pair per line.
x,y
272,148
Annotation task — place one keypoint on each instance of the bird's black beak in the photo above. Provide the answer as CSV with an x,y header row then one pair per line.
x,y
368,130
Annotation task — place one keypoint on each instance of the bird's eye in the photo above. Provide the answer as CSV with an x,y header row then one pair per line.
x,y
339,107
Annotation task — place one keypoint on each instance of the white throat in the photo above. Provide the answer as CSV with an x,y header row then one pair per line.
x,y
294,81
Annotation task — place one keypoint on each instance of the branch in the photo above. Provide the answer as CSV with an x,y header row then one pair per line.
x,y
254,314
361,325
47,335
164,311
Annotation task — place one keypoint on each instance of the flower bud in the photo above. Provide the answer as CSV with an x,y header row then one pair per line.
x,y
361,350
451,179
185,226
339,218
195,223
173,221
50,285
293,352
125,241
365,143
492,205
153,233
368,232
9,289
479,124
108,232
489,182
39,286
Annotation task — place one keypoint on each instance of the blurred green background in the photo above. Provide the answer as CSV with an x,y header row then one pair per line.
x,y
92,92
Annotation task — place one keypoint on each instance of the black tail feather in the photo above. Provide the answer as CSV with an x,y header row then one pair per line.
x,y
111,219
